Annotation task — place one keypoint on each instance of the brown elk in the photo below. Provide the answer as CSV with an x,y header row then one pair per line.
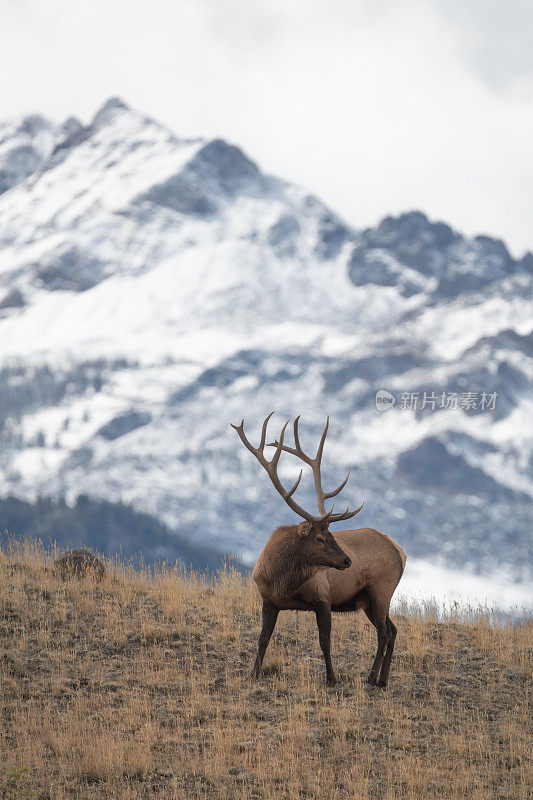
x,y
307,567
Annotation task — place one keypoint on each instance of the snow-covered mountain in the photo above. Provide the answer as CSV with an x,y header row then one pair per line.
x,y
153,289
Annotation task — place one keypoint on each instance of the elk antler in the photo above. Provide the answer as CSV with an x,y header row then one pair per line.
x,y
315,464
271,466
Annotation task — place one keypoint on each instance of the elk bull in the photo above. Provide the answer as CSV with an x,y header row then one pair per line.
x,y
307,567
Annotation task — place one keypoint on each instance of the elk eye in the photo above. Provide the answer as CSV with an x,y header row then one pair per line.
x,y
319,539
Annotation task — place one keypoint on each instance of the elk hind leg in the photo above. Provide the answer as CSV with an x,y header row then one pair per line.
x,y
377,614
270,616
385,667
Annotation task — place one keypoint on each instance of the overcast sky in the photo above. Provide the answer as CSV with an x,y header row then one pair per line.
x,y
377,106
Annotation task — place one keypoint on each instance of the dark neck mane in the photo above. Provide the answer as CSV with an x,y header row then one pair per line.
x,y
284,564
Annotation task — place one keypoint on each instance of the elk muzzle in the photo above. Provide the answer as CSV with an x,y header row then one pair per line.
x,y
340,559
347,562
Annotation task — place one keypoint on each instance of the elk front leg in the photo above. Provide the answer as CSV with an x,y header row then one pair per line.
x,y
270,615
323,619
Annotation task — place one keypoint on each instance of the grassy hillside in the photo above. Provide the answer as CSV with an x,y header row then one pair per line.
x,y
138,687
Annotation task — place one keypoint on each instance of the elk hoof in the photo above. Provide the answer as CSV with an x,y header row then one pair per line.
x,y
371,680
331,681
382,684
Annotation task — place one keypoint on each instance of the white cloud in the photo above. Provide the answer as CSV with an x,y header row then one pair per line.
x,y
377,107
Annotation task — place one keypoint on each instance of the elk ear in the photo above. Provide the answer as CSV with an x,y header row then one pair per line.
x,y
305,528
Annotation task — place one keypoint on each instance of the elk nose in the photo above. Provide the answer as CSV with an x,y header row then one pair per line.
x,y
347,563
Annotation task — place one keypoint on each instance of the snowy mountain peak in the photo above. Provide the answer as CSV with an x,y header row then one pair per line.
x,y
112,108
153,288
423,250
214,173
25,144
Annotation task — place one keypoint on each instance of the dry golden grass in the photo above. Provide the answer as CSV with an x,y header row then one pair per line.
x,y
139,687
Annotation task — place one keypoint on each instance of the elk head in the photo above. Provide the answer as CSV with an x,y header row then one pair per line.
x,y
317,544
319,548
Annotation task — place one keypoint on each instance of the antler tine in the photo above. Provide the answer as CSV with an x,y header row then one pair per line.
x,y
248,444
329,495
291,492
318,457
317,475
296,435
264,432
347,514
329,514
242,435
297,449
279,448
